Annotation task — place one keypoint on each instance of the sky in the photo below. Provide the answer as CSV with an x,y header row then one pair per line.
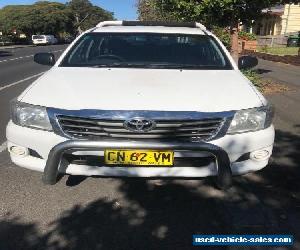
x,y
123,9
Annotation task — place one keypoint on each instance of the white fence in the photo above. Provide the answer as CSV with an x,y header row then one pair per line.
x,y
274,41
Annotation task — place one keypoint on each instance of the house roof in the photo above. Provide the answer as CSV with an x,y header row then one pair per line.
x,y
277,10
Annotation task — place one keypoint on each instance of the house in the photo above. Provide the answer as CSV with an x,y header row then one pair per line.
x,y
278,20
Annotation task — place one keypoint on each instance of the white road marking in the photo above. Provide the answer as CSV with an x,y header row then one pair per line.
x,y
55,51
23,80
21,57
13,59
3,147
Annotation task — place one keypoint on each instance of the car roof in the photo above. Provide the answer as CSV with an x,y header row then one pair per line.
x,y
149,29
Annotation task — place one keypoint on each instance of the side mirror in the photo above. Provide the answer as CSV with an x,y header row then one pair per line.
x,y
247,62
44,59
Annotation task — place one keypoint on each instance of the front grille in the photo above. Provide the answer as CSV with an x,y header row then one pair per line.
x,y
187,130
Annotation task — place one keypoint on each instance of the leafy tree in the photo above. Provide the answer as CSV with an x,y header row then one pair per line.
x,y
148,10
86,15
41,17
45,17
224,13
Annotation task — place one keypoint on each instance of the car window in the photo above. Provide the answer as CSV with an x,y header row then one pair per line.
x,y
147,50
38,37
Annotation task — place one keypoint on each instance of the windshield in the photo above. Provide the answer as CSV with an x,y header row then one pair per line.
x,y
38,37
153,50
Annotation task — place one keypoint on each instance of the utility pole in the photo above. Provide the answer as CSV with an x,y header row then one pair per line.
x,y
80,22
79,30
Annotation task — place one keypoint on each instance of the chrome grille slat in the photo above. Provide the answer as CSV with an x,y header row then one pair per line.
x,y
155,131
161,123
89,128
149,136
186,123
84,132
120,130
113,124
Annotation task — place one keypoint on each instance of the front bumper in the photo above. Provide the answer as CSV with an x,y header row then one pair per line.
x,y
55,157
227,150
40,42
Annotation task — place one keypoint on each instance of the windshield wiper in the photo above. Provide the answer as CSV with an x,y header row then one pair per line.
x,y
119,65
182,66
154,65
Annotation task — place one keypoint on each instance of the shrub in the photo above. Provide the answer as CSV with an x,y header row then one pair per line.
x,y
18,40
224,35
253,76
246,36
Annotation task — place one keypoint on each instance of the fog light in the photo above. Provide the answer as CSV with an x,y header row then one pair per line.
x,y
260,155
17,150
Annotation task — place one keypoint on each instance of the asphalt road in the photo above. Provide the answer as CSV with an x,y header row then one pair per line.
x,y
17,71
106,213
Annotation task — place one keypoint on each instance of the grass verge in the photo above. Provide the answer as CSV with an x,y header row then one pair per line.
x,y
281,51
266,86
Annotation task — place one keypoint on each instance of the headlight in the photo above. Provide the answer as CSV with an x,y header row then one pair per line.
x,y
28,115
251,120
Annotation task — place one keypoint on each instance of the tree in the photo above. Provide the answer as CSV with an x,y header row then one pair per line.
x,y
148,10
224,13
86,15
41,17
51,18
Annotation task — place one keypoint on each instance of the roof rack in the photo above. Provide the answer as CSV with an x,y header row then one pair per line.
x,y
151,23
109,23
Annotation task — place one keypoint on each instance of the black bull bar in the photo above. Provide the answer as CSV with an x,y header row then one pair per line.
x,y
224,175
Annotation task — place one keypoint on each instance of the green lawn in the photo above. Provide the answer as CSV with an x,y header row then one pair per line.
x,y
279,51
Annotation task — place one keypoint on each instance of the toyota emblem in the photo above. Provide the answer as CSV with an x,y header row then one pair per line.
x,y
139,125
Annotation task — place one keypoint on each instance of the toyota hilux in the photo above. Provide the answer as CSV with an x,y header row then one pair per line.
x,y
142,99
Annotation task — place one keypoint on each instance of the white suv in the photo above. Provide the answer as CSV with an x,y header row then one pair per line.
x,y
142,99
43,39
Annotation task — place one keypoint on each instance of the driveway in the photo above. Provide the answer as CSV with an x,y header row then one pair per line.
x,y
281,72
287,104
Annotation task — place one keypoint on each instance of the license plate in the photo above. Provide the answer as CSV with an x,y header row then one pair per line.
x,y
139,157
